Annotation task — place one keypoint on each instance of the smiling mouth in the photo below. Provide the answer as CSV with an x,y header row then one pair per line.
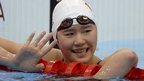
x,y
80,52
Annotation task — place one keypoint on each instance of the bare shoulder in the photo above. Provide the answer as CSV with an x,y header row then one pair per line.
x,y
111,55
54,54
104,60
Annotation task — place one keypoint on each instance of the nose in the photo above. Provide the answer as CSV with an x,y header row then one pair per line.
x,y
79,40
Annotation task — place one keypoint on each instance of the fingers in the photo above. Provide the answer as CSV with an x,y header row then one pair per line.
x,y
37,40
39,46
39,67
44,41
29,39
47,49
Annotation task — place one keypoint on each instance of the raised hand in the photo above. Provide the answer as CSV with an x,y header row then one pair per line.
x,y
29,55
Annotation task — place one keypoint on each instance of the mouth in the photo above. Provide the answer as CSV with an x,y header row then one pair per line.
x,y
80,52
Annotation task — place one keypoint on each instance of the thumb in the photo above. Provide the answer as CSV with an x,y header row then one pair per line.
x,y
39,67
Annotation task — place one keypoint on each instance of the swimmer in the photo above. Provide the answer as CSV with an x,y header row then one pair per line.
x,y
74,30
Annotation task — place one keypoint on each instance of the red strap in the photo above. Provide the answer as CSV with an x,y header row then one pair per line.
x,y
75,68
55,67
91,70
135,73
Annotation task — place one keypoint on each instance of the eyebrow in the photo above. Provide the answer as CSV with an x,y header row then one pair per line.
x,y
68,30
86,26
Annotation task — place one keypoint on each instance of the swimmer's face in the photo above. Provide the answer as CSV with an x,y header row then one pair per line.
x,y
78,42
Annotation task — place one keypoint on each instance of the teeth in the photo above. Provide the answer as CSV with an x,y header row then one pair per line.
x,y
80,51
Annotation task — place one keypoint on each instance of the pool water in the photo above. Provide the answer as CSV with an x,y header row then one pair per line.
x,y
20,76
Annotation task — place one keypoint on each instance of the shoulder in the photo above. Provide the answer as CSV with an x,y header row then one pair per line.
x,y
54,54
120,53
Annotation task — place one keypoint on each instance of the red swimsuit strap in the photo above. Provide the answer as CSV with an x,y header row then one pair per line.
x,y
74,68
60,67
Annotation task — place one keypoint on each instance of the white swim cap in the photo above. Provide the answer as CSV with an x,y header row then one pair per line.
x,y
69,8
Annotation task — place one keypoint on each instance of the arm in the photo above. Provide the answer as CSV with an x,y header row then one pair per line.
x,y
10,46
13,47
6,57
28,56
117,65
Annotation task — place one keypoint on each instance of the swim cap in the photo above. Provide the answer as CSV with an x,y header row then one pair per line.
x,y
69,8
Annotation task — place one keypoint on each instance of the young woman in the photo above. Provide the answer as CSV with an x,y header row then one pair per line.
x,y
75,32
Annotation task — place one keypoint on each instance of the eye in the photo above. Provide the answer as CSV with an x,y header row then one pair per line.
x,y
87,28
69,34
87,31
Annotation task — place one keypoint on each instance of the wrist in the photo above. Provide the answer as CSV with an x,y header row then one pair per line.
x,y
6,58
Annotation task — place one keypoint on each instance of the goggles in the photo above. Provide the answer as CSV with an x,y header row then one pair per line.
x,y
83,20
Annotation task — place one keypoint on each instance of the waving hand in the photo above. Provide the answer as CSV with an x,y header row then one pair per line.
x,y
29,55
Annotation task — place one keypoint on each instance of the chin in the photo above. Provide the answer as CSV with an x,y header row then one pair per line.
x,y
83,60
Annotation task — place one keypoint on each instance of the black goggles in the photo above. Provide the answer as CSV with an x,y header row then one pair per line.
x,y
83,20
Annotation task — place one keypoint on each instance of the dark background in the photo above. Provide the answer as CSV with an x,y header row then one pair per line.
x,y
52,5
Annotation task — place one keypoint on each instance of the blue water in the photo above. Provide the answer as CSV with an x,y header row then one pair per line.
x,y
20,76
105,48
